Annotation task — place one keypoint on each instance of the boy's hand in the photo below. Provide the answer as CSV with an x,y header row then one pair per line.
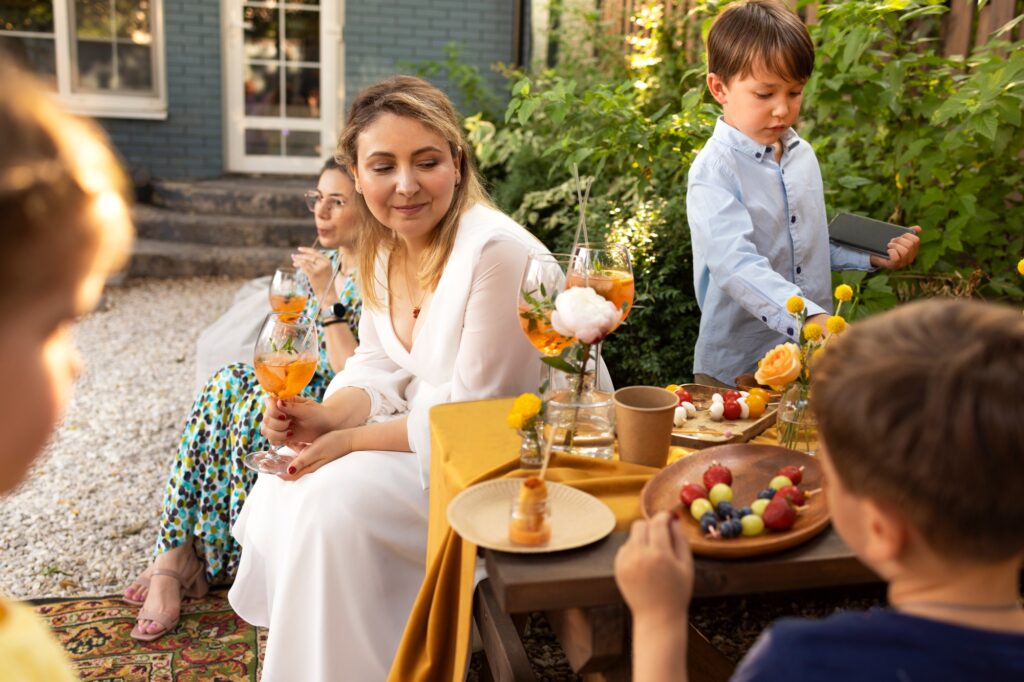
x,y
902,251
654,570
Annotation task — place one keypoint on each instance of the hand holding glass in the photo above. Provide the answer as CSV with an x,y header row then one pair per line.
x,y
285,358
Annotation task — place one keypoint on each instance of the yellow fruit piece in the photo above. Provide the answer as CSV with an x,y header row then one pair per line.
x,y
672,387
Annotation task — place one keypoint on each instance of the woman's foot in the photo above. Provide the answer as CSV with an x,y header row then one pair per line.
x,y
174,574
136,592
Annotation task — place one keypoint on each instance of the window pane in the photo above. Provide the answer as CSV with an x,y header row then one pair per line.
x,y
132,20
262,91
135,68
34,54
302,36
92,19
302,143
260,33
95,65
26,15
263,142
303,92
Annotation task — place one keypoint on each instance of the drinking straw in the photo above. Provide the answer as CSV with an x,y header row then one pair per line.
x,y
582,195
320,298
547,451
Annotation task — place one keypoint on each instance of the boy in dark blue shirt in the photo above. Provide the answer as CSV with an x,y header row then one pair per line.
x,y
921,424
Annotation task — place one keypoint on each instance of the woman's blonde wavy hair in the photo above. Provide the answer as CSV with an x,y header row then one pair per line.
x,y
54,170
417,99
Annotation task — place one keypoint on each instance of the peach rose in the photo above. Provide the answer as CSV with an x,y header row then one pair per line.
x,y
780,366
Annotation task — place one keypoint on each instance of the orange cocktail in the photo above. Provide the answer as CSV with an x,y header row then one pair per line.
x,y
284,374
288,303
616,286
538,329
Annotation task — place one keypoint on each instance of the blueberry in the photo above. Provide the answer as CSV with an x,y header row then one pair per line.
x,y
766,494
724,509
742,511
731,529
708,521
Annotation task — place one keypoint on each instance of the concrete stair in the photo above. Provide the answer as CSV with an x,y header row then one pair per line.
x,y
232,226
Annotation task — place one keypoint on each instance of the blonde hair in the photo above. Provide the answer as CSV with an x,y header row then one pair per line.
x,y
417,99
58,180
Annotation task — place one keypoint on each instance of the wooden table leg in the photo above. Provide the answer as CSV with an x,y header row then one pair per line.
x,y
703,661
503,648
595,640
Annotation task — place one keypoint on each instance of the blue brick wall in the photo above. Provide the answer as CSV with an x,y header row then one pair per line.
x,y
381,34
188,144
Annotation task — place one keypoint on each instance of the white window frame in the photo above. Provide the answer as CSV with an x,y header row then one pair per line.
x,y
108,105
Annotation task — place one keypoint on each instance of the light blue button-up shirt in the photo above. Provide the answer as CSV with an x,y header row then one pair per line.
x,y
759,237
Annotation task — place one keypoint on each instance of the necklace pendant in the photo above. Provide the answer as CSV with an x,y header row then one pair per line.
x,y
415,313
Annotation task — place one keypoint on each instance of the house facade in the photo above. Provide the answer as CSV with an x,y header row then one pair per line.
x,y
204,88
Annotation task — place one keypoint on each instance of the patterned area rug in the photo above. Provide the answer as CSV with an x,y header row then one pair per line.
x,y
210,642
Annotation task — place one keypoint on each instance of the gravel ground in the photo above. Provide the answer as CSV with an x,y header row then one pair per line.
x,y
84,522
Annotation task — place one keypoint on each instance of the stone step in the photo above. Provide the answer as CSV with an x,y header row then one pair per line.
x,y
163,259
170,225
253,196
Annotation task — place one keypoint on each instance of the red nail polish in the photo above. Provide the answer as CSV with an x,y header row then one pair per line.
x,y
292,470
290,434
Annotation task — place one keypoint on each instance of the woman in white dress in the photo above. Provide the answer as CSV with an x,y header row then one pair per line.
x,y
333,553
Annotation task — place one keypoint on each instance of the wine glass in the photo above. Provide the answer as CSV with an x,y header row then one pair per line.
x,y
542,281
288,292
606,268
285,357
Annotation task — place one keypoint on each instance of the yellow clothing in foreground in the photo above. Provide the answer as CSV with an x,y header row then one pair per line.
x,y
28,651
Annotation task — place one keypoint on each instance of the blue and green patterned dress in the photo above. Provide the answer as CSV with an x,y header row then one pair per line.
x,y
208,482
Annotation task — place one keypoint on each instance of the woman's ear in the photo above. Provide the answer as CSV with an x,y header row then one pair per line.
x,y
458,165
718,88
355,178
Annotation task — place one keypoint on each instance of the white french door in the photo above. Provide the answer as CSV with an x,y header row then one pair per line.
x,y
283,66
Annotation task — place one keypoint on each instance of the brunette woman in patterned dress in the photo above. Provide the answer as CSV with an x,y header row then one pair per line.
x,y
208,481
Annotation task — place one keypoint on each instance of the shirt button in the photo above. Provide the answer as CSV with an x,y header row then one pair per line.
x,y
790,331
798,269
767,150
793,219
758,155
764,318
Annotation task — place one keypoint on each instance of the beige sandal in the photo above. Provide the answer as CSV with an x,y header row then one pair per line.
x,y
194,587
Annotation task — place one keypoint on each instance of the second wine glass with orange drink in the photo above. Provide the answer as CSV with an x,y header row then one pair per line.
x,y
288,292
285,358
605,267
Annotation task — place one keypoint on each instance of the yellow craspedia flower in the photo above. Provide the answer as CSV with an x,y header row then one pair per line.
x,y
836,325
812,331
844,293
795,304
527,404
515,419
1020,266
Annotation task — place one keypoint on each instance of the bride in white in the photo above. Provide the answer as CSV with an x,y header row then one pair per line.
x,y
333,553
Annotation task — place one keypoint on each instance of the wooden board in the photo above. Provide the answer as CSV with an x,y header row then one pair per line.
x,y
702,432
752,466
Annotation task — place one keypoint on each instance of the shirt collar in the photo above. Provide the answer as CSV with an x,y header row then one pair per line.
x,y
734,139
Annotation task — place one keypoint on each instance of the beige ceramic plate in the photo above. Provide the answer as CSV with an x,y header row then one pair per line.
x,y
480,514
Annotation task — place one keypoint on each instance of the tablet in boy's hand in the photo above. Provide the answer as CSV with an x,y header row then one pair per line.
x,y
864,234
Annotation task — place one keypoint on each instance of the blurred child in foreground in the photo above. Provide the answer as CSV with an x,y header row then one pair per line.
x,y
64,227
921,424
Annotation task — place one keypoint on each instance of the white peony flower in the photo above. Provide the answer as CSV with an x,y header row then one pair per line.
x,y
581,312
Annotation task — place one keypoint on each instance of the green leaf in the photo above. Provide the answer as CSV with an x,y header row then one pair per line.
x,y
526,110
559,364
853,181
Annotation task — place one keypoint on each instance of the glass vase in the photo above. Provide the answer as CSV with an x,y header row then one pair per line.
x,y
796,425
530,454
581,419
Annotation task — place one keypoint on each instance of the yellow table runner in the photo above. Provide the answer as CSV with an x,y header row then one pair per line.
x,y
469,444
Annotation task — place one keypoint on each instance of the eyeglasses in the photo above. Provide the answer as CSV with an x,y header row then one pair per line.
x,y
314,199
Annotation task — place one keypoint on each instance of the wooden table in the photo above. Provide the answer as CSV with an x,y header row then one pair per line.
x,y
577,590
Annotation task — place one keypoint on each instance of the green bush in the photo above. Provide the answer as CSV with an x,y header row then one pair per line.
x,y
902,134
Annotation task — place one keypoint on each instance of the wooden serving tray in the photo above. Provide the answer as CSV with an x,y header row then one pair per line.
x,y
702,432
753,465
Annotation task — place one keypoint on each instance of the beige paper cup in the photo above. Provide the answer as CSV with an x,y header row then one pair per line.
x,y
643,420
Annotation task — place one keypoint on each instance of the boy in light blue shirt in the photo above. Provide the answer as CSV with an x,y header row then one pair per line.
x,y
755,199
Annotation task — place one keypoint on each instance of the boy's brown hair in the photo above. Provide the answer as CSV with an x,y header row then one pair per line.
x,y
63,196
759,34
921,408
